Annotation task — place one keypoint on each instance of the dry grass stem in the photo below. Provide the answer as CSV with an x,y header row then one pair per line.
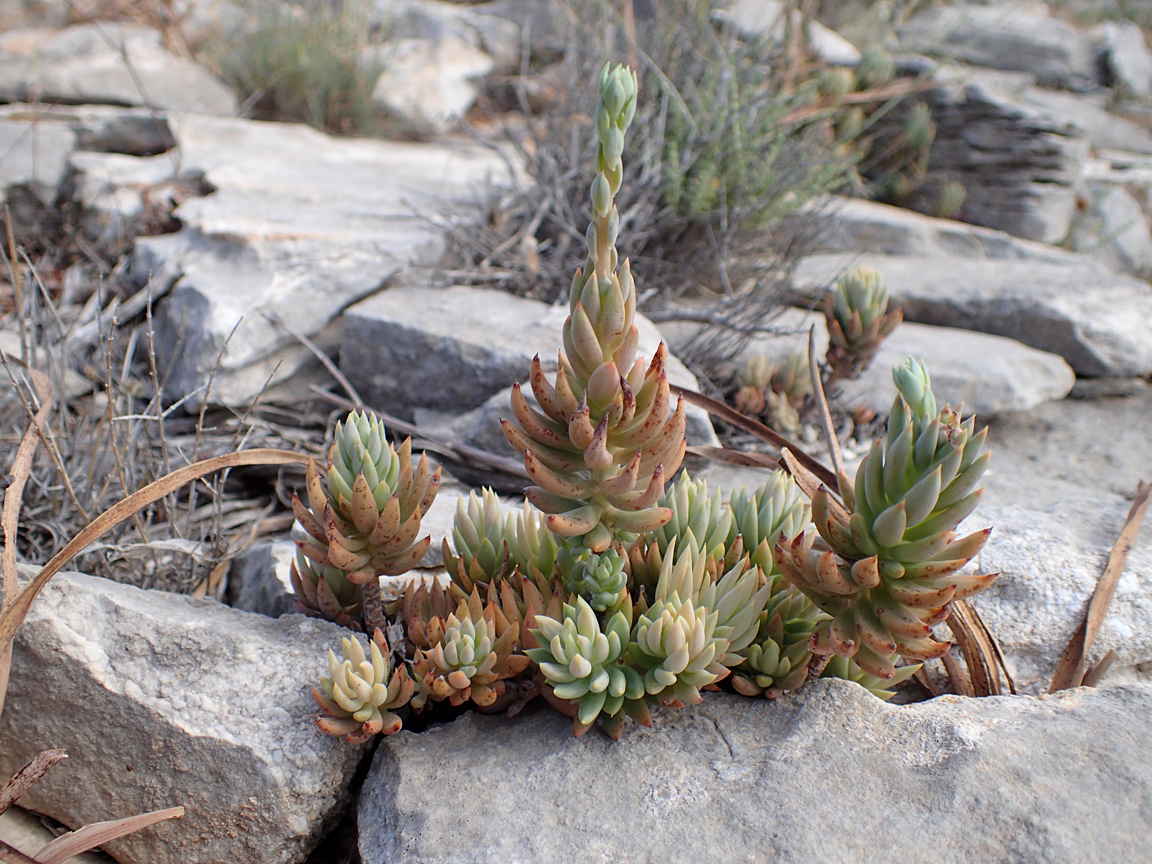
x,y
1070,669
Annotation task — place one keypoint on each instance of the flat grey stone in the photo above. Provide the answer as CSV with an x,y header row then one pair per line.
x,y
436,21
1057,779
1112,228
115,193
429,85
1100,322
759,19
859,225
34,156
1128,58
300,226
1090,115
86,63
1050,544
1008,36
988,374
164,700
453,349
101,128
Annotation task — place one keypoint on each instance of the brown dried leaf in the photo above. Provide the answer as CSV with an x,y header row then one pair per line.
x,y
99,833
981,653
749,458
730,415
13,495
15,613
1070,669
26,777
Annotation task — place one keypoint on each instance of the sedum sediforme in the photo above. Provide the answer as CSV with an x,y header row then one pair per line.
x,y
606,436
858,321
893,566
361,692
363,518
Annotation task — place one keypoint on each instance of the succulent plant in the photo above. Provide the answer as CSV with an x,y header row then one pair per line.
x,y
858,321
467,655
892,569
585,664
847,668
361,692
532,546
705,518
363,516
674,643
778,658
775,509
606,436
599,578
479,536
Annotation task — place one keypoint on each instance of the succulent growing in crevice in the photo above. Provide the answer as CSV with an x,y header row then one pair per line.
x,y
479,551
606,437
585,664
893,567
467,655
362,691
858,321
363,518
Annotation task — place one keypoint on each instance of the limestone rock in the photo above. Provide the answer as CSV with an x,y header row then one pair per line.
x,y
430,85
988,374
435,21
1100,322
34,156
1019,163
859,225
757,19
86,63
258,580
1128,58
1049,544
164,700
1104,130
1112,228
541,23
1009,36
119,194
750,779
448,349
300,226
101,128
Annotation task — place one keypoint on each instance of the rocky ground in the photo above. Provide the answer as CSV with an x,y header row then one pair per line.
x,y
1034,309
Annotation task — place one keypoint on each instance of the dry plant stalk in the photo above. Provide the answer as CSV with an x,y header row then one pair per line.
x,y
1070,670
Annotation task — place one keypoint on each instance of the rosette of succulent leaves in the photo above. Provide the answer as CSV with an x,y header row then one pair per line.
x,y
605,593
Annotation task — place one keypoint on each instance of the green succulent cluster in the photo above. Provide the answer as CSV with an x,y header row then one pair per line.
x,y
607,594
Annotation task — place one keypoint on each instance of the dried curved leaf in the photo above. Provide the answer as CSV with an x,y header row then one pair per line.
x,y
99,833
13,495
15,613
1070,669
730,415
981,653
26,777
